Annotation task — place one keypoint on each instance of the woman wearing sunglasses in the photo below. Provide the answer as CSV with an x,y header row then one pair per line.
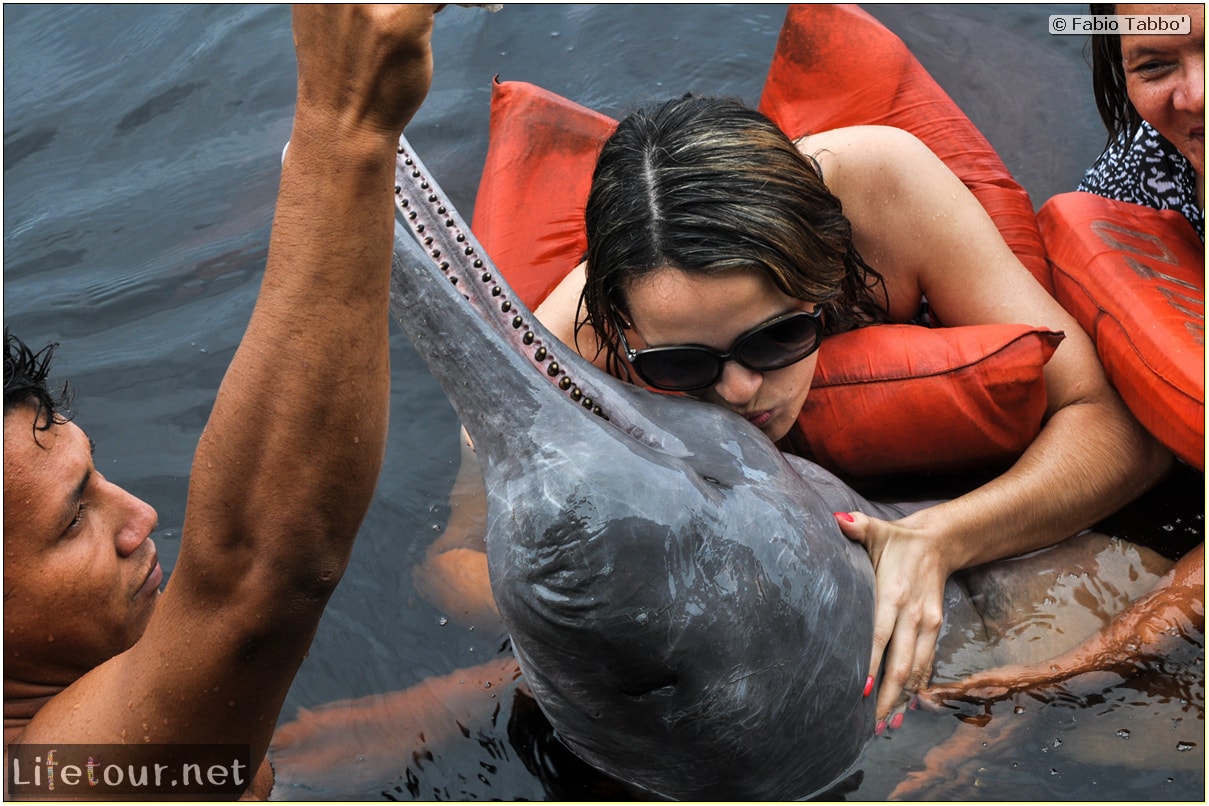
x,y
721,255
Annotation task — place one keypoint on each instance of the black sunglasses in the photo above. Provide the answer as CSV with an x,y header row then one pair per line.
x,y
773,345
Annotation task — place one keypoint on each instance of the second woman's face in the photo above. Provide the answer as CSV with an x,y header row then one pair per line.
x,y
670,307
1165,79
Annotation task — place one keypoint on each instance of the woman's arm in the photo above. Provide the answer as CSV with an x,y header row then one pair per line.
x,y
916,223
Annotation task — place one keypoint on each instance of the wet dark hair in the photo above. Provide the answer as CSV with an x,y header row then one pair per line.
x,y
1108,81
25,374
707,186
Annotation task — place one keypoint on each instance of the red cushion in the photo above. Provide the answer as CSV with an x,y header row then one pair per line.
x,y
1134,277
837,66
903,398
529,211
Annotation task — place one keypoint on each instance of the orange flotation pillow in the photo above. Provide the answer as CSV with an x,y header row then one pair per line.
x,y
896,398
529,211
1134,277
837,66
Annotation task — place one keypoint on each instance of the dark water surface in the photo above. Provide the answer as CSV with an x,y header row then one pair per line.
x,y
141,157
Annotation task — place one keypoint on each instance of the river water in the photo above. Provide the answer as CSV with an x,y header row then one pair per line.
x,y
141,156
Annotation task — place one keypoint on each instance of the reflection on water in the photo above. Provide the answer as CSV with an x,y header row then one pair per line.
x,y
141,154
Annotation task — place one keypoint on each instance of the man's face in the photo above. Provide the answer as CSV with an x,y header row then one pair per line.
x,y
81,576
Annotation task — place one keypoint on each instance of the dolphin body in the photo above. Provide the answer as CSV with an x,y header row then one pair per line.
x,y
683,606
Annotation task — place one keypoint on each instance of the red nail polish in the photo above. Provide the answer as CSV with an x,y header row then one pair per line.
x,y
868,685
896,721
844,516
880,728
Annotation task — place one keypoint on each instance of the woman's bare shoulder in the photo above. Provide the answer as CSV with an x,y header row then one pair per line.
x,y
856,154
559,312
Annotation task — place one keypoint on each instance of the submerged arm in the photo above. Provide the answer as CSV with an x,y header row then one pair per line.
x,y
1172,614
346,748
453,575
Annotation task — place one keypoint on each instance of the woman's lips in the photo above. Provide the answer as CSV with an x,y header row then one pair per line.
x,y
759,419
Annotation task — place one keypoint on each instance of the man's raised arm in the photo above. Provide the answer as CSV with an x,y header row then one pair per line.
x,y
288,461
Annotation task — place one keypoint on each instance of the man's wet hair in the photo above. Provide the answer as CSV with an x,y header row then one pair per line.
x,y
25,382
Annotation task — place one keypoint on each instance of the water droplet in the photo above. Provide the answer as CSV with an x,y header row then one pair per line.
x,y
1184,747
1123,733
486,684
442,621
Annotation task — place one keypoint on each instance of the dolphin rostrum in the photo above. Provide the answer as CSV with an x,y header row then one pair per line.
x,y
682,604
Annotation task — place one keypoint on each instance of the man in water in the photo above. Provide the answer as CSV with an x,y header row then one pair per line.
x,y
94,654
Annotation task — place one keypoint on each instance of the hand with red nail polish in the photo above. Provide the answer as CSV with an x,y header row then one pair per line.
x,y
910,572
